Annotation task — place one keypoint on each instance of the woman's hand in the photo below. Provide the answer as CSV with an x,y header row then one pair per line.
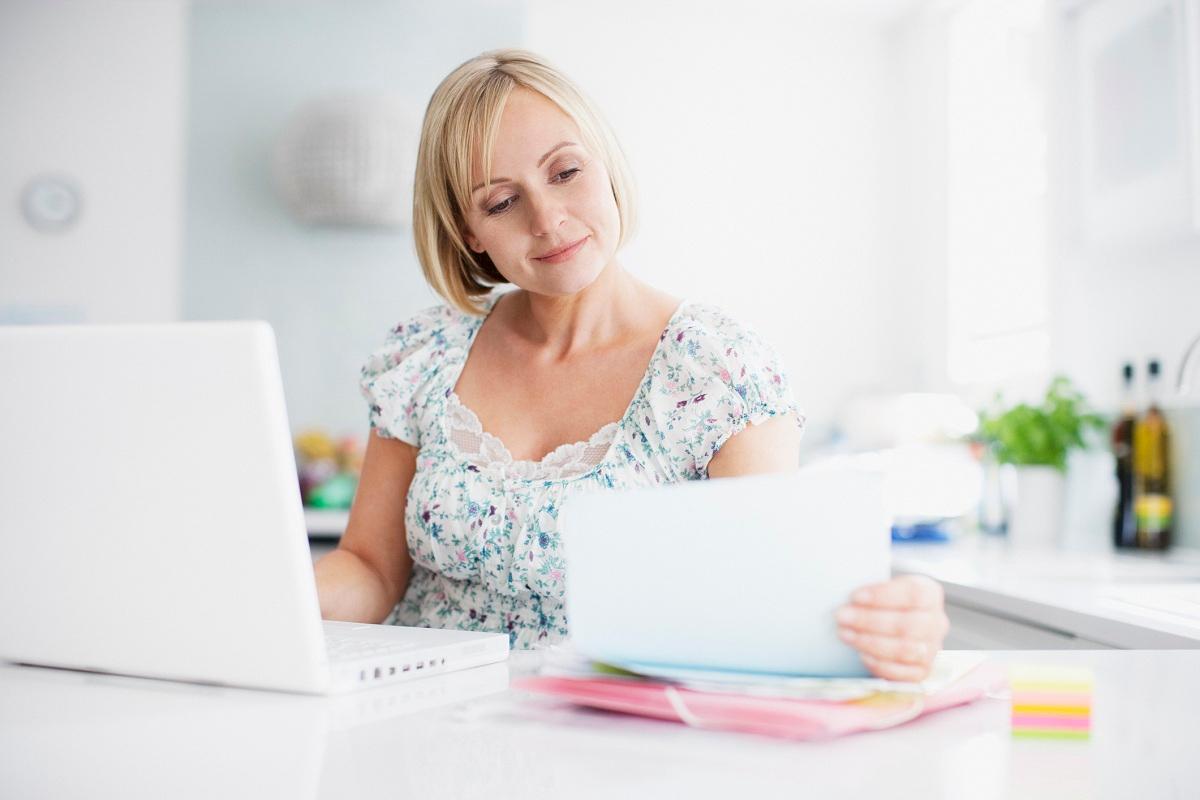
x,y
897,626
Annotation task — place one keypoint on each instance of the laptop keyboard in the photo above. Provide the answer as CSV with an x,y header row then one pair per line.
x,y
344,648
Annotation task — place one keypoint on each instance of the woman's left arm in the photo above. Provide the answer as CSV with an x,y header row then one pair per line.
x,y
897,626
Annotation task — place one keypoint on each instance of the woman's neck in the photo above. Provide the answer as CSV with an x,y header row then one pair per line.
x,y
605,312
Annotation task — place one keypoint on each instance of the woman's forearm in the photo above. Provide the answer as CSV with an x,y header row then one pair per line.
x,y
349,589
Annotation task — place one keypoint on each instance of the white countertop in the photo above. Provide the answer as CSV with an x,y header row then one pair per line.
x,y
1126,600
326,523
67,735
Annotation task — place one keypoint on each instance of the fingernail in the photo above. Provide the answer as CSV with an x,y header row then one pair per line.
x,y
846,615
861,596
846,634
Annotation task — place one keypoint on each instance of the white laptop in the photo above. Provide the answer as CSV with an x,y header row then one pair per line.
x,y
151,522
736,574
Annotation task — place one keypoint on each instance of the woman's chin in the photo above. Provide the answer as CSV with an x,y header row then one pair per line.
x,y
565,282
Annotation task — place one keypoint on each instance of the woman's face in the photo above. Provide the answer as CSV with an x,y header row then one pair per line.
x,y
548,220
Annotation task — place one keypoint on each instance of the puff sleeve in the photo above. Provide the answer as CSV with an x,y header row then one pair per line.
x,y
396,378
725,378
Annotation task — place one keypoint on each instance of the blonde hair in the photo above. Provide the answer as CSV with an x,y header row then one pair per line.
x,y
460,124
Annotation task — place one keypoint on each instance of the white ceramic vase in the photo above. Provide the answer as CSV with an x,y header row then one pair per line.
x,y
1037,512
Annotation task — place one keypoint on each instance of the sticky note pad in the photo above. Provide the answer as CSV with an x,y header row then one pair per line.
x,y
1051,701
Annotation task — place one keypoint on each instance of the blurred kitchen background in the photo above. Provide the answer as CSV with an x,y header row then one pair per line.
x,y
918,202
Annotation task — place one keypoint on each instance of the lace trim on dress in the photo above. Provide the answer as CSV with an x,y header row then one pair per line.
x,y
486,451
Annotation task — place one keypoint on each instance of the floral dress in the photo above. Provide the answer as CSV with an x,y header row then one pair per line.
x,y
482,528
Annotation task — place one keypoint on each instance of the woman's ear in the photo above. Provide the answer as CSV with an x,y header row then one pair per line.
x,y
471,241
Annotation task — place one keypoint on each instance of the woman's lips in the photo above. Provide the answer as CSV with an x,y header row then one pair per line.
x,y
562,255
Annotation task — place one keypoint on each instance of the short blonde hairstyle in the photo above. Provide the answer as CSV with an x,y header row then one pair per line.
x,y
461,122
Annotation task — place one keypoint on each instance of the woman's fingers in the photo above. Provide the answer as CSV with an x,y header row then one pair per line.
x,y
906,591
893,671
903,624
889,648
897,626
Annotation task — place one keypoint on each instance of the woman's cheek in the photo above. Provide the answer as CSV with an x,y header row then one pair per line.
x,y
601,207
506,240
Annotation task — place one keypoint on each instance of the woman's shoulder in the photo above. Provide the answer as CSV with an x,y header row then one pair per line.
x,y
429,330
399,378
716,375
705,335
706,318
708,352
435,322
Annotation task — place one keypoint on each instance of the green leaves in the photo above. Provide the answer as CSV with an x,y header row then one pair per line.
x,y
1040,435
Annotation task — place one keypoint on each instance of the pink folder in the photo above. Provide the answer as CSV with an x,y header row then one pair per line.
x,y
780,717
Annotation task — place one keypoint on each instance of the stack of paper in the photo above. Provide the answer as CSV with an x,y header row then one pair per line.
x,y
790,707
1051,701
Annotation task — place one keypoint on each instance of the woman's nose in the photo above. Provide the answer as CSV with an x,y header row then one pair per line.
x,y
546,215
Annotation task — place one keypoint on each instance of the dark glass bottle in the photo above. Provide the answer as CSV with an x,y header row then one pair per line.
x,y
1124,521
1152,505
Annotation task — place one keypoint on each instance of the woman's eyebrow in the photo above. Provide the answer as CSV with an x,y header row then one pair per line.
x,y
541,161
553,150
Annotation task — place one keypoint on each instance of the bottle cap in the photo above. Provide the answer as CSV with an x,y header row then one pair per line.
x,y
1153,368
1127,371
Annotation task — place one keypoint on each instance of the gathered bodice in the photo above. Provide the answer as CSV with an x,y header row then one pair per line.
x,y
482,528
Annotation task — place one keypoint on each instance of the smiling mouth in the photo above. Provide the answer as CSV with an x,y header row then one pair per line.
x,y
564,253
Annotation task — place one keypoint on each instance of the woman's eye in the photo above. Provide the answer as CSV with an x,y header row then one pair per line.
x,y
500,208
559,177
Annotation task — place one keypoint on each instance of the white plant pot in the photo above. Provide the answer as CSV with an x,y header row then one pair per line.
x,y
1037,512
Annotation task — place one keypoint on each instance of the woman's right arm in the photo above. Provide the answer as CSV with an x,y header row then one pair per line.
x,y
368,573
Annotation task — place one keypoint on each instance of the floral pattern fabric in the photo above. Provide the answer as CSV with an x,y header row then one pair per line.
x,y
481,527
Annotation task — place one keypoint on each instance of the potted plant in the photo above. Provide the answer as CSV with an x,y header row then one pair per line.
x,y
1036,440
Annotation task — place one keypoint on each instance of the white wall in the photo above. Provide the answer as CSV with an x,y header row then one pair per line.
x,y
759,136
1120,302
1125,307
1107,305
915,198
93,91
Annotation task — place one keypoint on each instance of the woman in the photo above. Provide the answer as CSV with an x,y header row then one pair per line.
x,y
488,412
